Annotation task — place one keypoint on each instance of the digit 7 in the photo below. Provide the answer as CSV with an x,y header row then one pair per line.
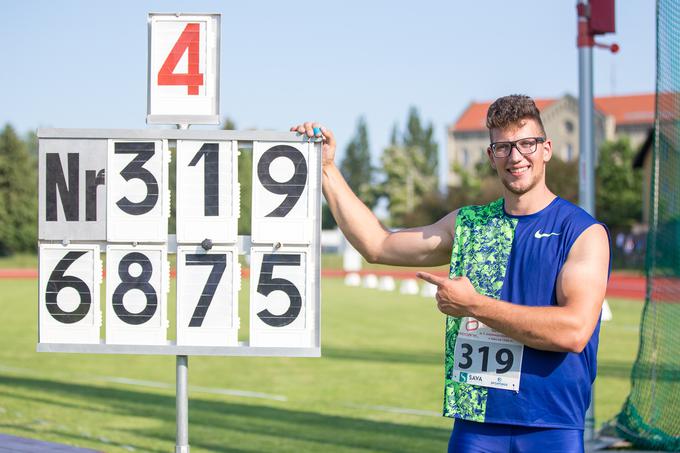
x,y
188,40
219,264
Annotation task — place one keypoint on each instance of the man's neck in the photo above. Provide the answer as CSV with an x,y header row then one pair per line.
x,y
527,203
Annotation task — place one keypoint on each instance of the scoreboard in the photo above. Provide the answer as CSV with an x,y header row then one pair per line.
x,y
108,191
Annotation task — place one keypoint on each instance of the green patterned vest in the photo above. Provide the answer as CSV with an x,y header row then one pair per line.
x,y
481,247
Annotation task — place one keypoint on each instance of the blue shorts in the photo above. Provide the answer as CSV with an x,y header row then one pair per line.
x,y
473,437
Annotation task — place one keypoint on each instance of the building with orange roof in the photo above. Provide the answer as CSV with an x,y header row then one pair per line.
x,y
630,115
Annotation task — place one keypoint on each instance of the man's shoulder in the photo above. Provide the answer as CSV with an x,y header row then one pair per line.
x,y
575,221
572,213
480,213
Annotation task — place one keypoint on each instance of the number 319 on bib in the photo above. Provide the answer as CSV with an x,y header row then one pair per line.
x,y
183,69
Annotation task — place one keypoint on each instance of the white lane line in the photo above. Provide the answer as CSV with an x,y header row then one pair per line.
x,y
11,369
155,384
211,390
395,410
232,392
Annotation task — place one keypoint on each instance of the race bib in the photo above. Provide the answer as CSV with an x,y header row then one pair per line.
x,y
486,357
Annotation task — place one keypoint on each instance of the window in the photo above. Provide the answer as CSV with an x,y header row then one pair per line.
x,y
569,152
568,126
466,158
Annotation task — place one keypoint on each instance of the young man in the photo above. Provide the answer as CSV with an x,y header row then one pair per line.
x,y
527,280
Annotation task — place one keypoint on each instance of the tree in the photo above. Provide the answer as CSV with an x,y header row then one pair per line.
x,y
31,141
172,179
18,195
327,220
245,180
421,137
406,181
562,178
356,165
409,166
618,187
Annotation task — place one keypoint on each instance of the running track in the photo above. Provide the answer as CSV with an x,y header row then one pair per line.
x,y
626,286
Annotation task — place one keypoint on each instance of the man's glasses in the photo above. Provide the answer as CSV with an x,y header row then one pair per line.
x,y
524,146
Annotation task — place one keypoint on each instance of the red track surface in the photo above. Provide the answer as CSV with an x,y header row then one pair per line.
x,y
627,286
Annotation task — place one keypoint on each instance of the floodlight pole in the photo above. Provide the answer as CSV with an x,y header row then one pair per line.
x,y
586,190
586,180
182,391
595,17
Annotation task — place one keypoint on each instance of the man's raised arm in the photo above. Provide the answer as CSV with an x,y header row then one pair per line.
x,y
423,246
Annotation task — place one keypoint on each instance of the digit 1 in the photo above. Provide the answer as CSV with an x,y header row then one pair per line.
x,y
59,281
484,350
211,183
141,283
292,188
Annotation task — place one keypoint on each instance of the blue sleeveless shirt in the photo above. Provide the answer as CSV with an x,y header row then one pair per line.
x,y
517,259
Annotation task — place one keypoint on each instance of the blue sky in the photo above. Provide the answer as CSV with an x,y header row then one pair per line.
x,y
84,63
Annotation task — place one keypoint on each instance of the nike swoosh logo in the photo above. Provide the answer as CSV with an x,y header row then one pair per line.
x,y
539,235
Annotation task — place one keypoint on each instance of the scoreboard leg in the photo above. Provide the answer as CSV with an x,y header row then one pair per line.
x,y
182,405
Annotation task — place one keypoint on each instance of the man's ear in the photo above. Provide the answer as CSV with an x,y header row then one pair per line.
x,y
489,154
547,150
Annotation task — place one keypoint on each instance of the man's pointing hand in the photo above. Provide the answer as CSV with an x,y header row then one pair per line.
x,y
455,297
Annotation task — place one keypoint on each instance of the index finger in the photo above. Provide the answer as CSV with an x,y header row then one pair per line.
x,y
439,281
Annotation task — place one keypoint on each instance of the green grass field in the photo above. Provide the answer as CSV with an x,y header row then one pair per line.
x,y
378,386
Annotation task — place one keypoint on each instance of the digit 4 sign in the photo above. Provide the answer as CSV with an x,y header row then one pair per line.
x,y
183,69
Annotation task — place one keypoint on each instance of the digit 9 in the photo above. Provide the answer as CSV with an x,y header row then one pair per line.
x,y
292,188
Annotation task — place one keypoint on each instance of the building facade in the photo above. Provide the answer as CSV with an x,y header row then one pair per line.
x,y
615,116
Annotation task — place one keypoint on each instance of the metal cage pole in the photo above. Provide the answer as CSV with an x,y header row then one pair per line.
x,y
182,405
182,391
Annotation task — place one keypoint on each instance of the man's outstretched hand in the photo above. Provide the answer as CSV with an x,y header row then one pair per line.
x,y
315,130
455,297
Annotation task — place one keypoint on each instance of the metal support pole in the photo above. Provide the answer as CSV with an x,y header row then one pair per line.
x,y
586,189
182,445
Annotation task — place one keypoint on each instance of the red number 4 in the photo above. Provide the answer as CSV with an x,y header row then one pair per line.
x,y
188,40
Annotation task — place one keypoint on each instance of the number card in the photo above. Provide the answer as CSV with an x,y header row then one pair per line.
x,y
138,194
284,175
107,190
184,63
207,296
486,357
137,282
72,197
282,311
207,191
69,294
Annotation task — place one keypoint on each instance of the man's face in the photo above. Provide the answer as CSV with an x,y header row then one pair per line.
x,y
519,172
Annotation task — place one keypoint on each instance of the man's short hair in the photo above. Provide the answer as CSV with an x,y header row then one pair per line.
x,y
510,111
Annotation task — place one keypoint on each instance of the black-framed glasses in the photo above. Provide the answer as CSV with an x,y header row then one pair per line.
x,y
525,146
